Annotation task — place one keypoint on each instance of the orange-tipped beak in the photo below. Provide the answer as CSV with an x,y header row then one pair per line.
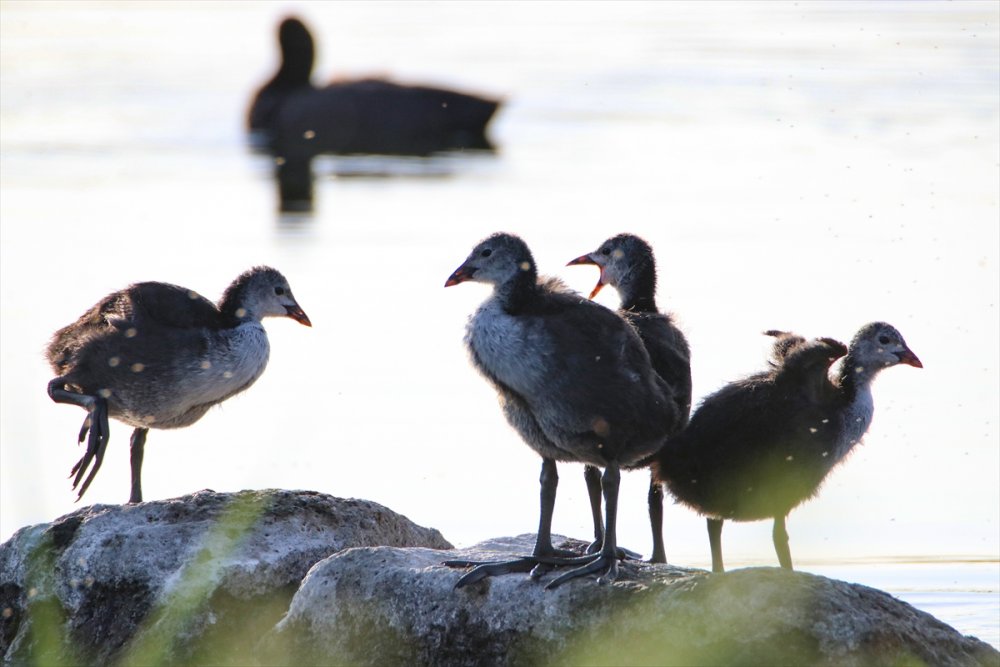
x,y
907,357
460,275
587,259
298,315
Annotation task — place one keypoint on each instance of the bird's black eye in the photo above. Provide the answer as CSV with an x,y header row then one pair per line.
x,y
883,340
279,290
486,253
605,250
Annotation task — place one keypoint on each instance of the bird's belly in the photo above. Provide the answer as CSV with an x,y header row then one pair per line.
x,y
182,392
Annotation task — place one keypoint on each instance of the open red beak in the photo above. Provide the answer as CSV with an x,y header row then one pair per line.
x,y
298,315
587,259
907,357
460,275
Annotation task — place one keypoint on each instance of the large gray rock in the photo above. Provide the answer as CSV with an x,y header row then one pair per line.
x,y
387,606
194,579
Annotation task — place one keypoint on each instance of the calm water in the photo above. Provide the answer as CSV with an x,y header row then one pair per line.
x,y
811,166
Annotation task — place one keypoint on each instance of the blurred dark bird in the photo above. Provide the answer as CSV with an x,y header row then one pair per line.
x,y
574,380
627,264
155,355
296,120
762,445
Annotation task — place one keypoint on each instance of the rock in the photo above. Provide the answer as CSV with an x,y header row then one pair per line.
x,y
389,606
195,579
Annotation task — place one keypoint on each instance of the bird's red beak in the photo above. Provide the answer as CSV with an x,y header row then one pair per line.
x,y
907,357
460,275
587,259
298,315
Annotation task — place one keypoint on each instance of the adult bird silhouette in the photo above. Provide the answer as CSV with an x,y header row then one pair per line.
x,y
155,355
573,379
296,120
627,263
762,445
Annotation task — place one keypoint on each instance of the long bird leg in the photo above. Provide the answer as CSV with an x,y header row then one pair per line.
x,y
137,448
715,542
606,562
544,552
96,423
655,500
592,476
780,537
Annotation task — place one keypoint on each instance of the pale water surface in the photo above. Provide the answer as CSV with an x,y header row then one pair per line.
x,y
811,166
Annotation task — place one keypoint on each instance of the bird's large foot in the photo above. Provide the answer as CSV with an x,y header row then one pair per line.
x,y
481,570
97,443
593,564
537,565
623,553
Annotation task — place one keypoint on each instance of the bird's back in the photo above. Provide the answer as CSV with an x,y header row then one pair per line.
x,y
580,368
669,354
759,446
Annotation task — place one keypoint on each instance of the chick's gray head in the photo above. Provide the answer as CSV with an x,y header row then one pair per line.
x,y
264,292
622,260
497,259
879,345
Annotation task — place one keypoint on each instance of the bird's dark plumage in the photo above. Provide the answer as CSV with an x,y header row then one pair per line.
x,y
155,355
573,378
627,263
296,120
762,445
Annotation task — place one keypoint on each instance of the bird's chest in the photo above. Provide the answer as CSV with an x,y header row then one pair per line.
x,y
511,349
857,419
230,362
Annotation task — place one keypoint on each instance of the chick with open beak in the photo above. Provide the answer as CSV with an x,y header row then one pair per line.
x,y
595,259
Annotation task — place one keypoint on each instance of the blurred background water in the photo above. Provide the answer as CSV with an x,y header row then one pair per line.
x,y
807,166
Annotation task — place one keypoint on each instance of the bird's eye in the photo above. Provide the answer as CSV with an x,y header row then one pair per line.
x,y
279,290
486,253
605,250
883,340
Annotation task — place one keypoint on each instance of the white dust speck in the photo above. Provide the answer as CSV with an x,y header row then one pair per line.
x,y
104,393
525,266
131,332
813,429
309,134
227,374
138,368
205,365
618,253
789,458
241,312
193,295
114,361
825,454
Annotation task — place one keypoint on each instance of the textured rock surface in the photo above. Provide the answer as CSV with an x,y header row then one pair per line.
x,y
386,606
197,578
